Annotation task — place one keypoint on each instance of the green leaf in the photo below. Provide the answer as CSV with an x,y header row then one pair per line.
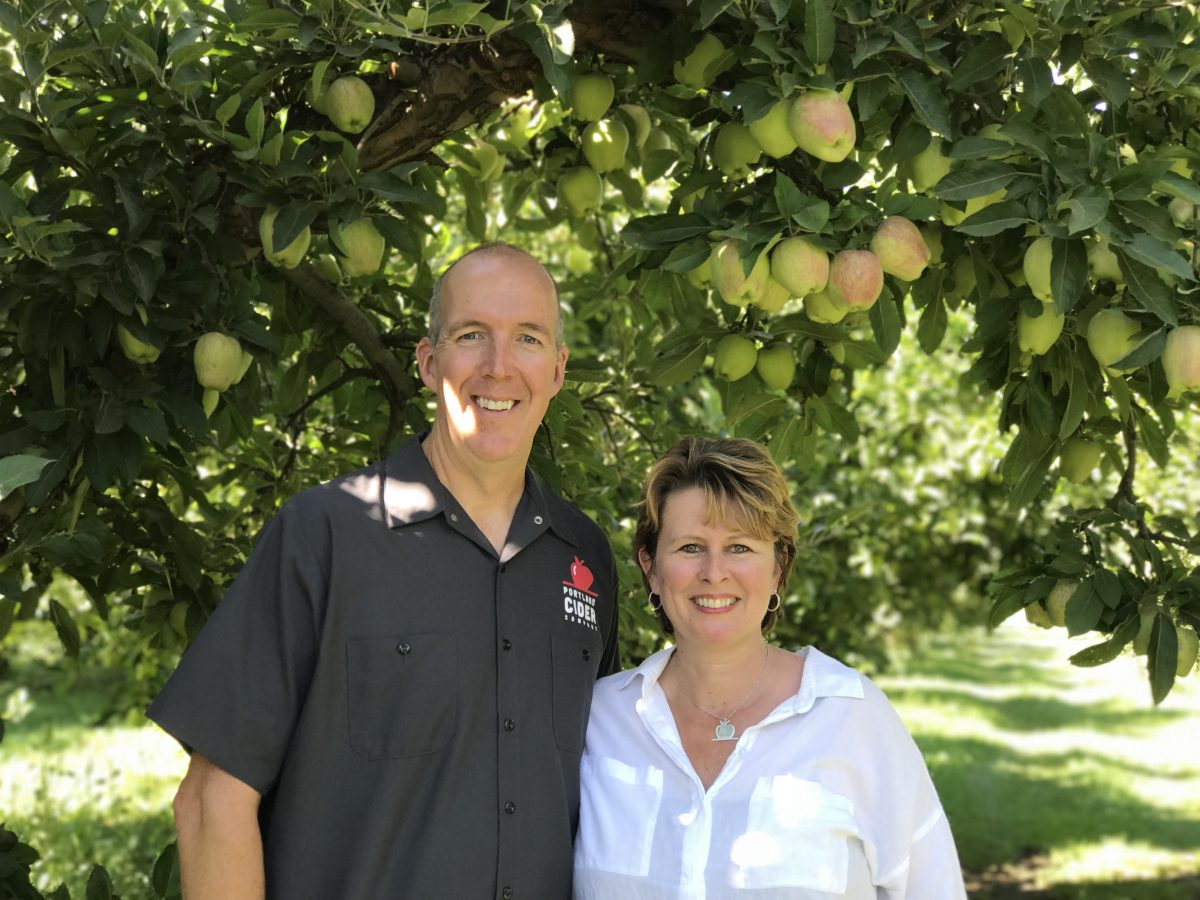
x,y
677,367
1077,401
932,327
254,124
1150,290
983,59
141,52
227,108
653,232
1037,80
64,624
974,179
1177,186
99,885
292,219
928,100
1084,610
8,613
1161,658
1086,207
885,323
1097,654
1156,254
994,219
818,30
1109,79
1068,272
17,471
1147,351
1108,588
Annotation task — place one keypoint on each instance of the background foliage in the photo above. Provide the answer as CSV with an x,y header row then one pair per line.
x,y
141,141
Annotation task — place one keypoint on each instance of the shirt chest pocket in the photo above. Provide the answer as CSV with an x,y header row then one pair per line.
x,y
402,694
574,666
798,835
618,809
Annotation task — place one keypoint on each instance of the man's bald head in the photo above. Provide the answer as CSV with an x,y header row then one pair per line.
x,y
494,248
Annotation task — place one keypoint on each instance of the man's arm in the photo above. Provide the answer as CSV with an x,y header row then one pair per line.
x,y
220,845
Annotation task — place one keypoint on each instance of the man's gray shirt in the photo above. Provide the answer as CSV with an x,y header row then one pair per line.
x,y
411,708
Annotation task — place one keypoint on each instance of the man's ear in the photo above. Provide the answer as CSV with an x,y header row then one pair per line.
x,y
425,363
560,368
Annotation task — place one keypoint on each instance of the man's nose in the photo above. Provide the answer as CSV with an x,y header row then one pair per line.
x,y
498,359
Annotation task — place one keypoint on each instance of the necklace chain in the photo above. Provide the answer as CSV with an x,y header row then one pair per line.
x,y
725,730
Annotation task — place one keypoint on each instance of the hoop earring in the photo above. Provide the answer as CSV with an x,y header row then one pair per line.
x,y
774,603
654,600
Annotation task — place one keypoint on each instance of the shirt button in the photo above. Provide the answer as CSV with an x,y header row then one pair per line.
x,y
507,893
509,724
587,654
506,644
453,517
510,807
537,520
403,647
503,569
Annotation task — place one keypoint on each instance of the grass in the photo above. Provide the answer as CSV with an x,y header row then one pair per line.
x,y
1060,783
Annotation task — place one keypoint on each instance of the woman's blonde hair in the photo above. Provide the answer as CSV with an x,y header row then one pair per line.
x,y
742,484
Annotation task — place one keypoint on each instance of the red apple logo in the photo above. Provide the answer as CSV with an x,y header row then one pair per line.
x,y
581,575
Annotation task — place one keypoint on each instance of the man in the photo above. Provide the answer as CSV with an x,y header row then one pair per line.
x,y
390,701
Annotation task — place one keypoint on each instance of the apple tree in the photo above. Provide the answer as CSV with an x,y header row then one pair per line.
x,y
846,228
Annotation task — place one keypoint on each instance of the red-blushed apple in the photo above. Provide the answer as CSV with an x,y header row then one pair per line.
x,y
822,125
855,279
900,248
729,278
800,266
1181,359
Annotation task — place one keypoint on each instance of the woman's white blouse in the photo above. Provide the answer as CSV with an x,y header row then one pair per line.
x,y
827,797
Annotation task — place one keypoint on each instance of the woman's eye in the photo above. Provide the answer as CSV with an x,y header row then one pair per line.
x,y
690,548
738,548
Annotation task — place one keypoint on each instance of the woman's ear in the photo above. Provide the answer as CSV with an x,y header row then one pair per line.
x,y
646,563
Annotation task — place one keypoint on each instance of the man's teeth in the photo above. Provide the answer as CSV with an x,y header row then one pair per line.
x,y
714,603
496,404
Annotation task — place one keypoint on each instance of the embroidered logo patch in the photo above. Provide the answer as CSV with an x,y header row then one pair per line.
x,y
579,603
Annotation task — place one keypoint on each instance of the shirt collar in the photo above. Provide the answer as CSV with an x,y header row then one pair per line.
x,y
824,676
412,493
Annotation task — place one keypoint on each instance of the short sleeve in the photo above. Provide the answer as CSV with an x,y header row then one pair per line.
x,y
933,871
238,691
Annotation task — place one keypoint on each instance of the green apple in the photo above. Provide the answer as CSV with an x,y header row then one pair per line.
x,y
773,297
656,140
735,150
728,277
1141,642
952,216
734,357
1103,262
604,145
327,267
900,248
1036,267
363,247
136,350
1036,614
1110,335
1187,646
209,399
821,309
1037,334
1078,458
289,257
800,266
591,96
488,160
1182,211
1181,359
247,362
578,260
217,360
580,189
929,166
1056,601
772,132
776,365
701,276
855,279
822,125
349,104
640,119
698,69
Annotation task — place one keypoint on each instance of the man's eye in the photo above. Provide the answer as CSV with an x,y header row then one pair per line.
x,y
470,336
529,339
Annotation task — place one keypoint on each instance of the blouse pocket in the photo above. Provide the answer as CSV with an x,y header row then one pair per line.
x,y
402,694
797,836
618,809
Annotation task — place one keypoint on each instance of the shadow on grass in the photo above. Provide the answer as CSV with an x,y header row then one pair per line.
x,y
1015,802
1027,714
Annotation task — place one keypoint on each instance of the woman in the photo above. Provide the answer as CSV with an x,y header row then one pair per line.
x,y
724,767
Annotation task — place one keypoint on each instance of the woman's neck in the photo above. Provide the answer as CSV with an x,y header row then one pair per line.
x,y
718,678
